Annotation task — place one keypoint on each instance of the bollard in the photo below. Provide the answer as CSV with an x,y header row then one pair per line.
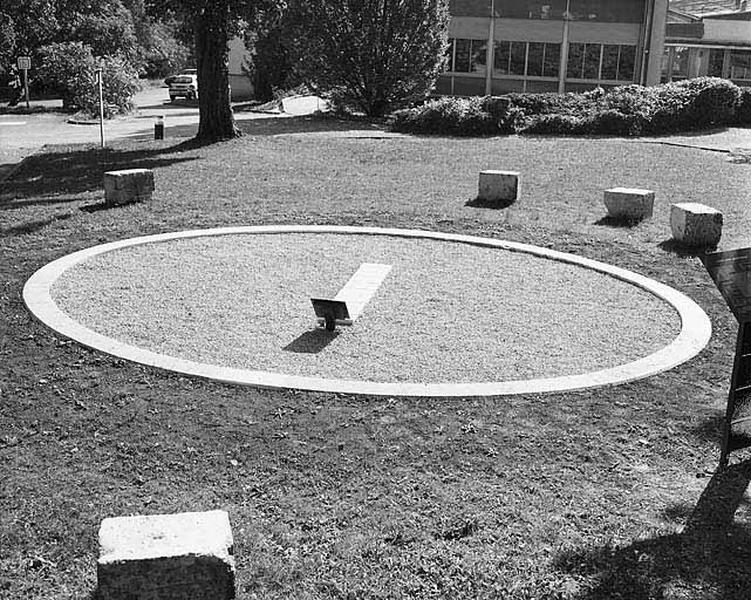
x,y
159,128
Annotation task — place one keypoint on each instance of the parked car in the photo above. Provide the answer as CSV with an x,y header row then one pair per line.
x,y
184,86
171,78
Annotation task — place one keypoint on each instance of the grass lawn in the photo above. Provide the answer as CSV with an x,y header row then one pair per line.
x,y
579,495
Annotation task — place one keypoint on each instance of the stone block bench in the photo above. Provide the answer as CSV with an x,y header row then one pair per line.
x,y
630,204
185,556
129,185
694,224
499,187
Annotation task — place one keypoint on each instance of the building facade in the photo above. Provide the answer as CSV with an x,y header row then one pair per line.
x,y
501,46
716,44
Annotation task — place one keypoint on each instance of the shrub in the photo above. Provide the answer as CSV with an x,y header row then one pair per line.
x,y
713,100
612,121
557,124
626,110
69,68
743,112
448,116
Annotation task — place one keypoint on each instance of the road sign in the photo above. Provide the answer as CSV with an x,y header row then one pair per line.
x,y
24,62
731,272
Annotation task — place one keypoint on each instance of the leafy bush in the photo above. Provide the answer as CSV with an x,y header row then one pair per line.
x,y
627,110
447,116
713,100
743,112
557,124
69,68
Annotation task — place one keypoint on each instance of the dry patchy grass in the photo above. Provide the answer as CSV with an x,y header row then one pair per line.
x,y
580,495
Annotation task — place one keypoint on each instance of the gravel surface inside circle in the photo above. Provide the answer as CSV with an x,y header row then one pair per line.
x,y
448,312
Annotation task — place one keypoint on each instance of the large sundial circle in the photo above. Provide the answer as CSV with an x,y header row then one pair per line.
x,y
447,315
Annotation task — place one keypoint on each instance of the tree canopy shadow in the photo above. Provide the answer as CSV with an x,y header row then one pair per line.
x,y
316,123
710,558
61,175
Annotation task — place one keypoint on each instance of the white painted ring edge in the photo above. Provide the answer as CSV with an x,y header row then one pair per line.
x,y
696,328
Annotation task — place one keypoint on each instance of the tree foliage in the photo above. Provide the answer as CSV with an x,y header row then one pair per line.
x,y
214,23
371,55
70,68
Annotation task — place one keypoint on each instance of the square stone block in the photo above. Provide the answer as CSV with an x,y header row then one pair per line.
x,y
128,185
694,224
498,186
184,556
629,203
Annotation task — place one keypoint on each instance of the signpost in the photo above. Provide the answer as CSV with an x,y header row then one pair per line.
x,y
731,272
24,64
101,106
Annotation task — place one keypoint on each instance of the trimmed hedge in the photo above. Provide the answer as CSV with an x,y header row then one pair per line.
x,y
624,111
743,112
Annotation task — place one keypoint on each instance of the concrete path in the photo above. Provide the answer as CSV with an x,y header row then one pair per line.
x,y
720,140
22,135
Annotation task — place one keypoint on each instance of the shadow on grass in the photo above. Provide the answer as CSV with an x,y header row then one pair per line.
x,y
711,429
33,226
306,124
482,203
624,222
55,177
265,126
675,247
711,557
312,342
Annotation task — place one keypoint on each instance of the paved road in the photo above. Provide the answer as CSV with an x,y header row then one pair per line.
x,y
21,135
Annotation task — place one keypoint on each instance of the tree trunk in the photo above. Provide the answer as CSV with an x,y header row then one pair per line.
x,y
212,26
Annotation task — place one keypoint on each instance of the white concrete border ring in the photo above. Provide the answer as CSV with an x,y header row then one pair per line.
x,y
696,328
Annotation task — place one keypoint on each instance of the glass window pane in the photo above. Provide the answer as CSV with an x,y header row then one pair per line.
x,y
502,53
478,56
534,59
518,52
448,65
626,63
531,9
607,11
552,62
610,62
716,57
461,60
680,62
575,67
740,64
592,61
664,62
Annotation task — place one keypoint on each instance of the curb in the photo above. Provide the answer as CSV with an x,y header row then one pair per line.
x,y
696,328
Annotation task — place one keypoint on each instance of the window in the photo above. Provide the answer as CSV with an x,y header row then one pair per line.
x,y
575,67
517,62
535,56
607,11
469,56
626,63
679,63
592,54
716,59
608,62
740,64
531,9
551,63
527,59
